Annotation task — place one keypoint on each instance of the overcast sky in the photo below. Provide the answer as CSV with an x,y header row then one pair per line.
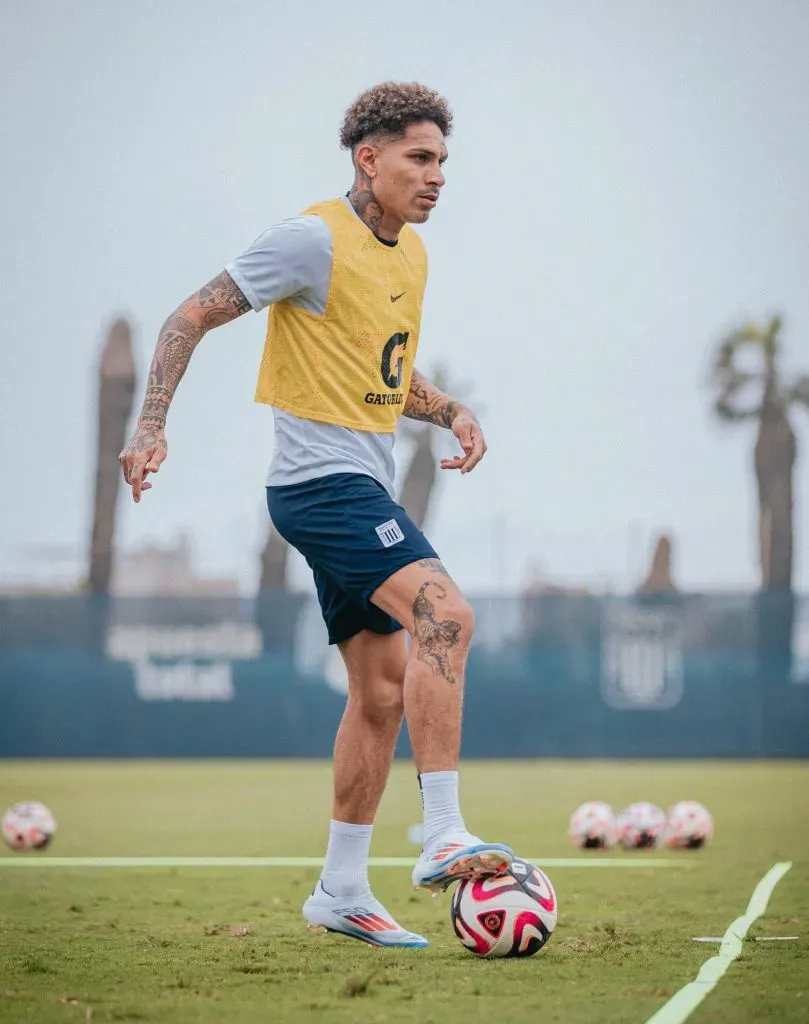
x,y
626,181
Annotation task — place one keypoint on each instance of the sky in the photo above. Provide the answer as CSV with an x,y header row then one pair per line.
x,y
626,182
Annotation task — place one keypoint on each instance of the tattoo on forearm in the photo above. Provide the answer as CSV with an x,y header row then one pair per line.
x,y
218,302
153,411
365,203
425,402
434,637
177,341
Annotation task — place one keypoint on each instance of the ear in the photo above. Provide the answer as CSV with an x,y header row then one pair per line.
x,y
365,159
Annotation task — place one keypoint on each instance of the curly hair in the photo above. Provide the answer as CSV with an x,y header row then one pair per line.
x,y
388,109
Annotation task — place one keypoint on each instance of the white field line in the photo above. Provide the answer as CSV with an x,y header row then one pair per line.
x,y
35,861
683,1003
759,938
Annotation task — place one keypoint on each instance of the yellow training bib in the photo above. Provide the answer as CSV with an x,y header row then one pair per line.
x,y
352,364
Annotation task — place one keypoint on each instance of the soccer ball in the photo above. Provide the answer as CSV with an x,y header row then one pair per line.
x,y
690,825
28,826
592,826
641,826
505,915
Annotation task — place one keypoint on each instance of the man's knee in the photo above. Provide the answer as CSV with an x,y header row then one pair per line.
x,y
442,629
462,613
425,599
379,700
441,611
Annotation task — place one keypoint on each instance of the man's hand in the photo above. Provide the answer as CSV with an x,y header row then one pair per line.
x,y
467,429
143,455
426,403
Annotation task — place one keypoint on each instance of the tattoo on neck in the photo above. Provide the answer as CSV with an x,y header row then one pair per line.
x,y
365,203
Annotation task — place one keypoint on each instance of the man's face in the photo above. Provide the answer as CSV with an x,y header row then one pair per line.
x,y
407,176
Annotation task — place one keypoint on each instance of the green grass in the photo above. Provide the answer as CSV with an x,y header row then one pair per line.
x,y
204,946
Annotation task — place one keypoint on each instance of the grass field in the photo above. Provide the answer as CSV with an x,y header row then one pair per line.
x,y
209,945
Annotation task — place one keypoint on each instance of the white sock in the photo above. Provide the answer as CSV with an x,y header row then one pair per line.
x,y
345,873
439,797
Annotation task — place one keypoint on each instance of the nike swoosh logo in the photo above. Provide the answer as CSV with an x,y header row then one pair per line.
x,y
395,298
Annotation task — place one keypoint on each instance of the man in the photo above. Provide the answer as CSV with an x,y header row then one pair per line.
x,y
345,282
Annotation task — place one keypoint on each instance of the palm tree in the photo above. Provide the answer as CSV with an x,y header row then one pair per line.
x,y
277,609
762,393
274,560
658,579
418,485
116,390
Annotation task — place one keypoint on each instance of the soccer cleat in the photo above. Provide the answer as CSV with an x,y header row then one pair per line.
x,y
361,918
459,857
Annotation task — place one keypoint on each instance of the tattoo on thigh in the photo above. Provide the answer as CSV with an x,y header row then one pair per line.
x,y
434,565
434,637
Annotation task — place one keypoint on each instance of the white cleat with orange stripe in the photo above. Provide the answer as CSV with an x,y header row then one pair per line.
x,y
460,856
360,918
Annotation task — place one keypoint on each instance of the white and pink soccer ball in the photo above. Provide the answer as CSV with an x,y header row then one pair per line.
x,y
28,826
689,825
641,826
592,826
506,915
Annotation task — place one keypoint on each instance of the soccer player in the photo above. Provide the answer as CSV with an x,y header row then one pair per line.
x,y
344,282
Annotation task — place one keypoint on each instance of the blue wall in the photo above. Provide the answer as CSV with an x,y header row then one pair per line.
x,y
549,676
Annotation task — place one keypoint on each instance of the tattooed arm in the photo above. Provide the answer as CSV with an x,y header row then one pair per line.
x,y
218,302
425,402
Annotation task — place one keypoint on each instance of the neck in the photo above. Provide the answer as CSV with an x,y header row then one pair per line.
x,y
370,211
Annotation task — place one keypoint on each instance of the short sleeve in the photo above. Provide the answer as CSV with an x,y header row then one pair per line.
x,y
290,260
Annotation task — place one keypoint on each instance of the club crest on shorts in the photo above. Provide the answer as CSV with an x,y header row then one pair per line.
x,y
390,533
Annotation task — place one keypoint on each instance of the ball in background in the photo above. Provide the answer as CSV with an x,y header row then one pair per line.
x,y
592,826
28,826
641,826
689,825
505,915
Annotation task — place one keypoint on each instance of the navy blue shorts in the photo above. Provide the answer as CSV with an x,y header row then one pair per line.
x,y
354,536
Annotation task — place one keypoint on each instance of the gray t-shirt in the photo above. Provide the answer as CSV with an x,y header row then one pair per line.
x,y
292,260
